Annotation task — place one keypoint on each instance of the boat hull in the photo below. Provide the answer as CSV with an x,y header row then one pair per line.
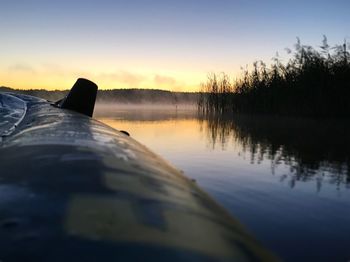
x,y
74,189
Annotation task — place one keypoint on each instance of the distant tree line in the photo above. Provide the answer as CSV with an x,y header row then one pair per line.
x,y
119,96
147,96
312,83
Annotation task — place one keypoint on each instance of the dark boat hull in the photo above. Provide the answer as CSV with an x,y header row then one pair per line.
x,y
74,189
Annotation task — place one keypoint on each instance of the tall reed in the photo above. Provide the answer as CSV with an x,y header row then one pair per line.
x,y
311,83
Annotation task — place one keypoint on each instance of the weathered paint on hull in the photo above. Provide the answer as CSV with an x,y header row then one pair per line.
x,y
74,189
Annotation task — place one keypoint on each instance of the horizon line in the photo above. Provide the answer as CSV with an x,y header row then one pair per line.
x,y
109,89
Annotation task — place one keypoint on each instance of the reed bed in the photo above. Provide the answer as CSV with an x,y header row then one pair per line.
x,y
313,82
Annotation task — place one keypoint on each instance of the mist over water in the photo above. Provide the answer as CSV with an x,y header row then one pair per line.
x,y
287,180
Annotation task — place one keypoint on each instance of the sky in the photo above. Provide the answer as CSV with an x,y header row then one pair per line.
x,y
160,44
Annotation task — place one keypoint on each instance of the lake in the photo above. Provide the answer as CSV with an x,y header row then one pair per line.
x,y
286,179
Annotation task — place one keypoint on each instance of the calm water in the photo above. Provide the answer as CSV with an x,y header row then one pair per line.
x,y
286,180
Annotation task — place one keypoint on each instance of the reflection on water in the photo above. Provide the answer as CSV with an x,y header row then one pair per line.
x,y
286,180
313,149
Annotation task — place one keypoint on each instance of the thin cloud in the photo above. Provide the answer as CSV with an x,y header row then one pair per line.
x,y
21,68
167,82
164,80
124,77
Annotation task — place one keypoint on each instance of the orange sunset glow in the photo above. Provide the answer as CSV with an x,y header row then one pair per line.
x,y
158,45
23,77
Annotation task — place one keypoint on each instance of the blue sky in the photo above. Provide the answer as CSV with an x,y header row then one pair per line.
x,y
47,44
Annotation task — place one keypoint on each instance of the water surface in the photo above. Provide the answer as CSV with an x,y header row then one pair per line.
x,y
287,180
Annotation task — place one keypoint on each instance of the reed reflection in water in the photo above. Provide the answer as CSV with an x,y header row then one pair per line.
x,y
313,149
286,180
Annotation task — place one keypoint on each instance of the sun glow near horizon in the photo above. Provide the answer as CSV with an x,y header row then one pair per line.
x,y
25,77
171,45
